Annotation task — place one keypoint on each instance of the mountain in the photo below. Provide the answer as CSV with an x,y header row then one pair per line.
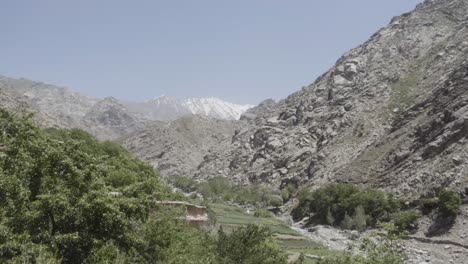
x,y
391,113
108,118
176,148
214,107
170,108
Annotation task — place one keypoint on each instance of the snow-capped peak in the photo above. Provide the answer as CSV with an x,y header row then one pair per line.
x,y
168,108
215,107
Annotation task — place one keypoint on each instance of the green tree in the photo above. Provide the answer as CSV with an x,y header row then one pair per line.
x,y
330,218
347,222
359,218
449,203
406,221
248,245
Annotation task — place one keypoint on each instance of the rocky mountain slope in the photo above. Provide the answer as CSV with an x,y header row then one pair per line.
x,y
178,147
391,113
108,118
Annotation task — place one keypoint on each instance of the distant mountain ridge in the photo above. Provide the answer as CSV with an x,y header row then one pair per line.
x,y
166,108
107,118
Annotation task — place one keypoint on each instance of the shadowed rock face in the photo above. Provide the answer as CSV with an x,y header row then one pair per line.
x,y
177,148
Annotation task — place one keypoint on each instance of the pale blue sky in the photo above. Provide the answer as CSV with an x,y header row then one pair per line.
x,y
243,51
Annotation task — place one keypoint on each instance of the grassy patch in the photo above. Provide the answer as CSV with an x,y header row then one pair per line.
x,y
403,91
231,216
291,241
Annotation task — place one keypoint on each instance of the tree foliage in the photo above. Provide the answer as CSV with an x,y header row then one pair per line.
x,y
340,200
377,249
67,198
249,245
220,189
449,203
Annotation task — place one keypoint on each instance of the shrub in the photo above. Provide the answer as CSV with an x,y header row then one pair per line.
x,y
330,219
342,200
380,250
427,205
449,203
347,222
359,219
248,245
262,213
406,220
184,183
220,189
275,200
288,191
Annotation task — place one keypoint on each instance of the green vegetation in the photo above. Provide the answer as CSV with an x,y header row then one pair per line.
x,y
66,198
382,249
427,205
260,212
334,204
289,240
249,245
449,203
232,217
406,220
219,189
403,91
184,183
288,192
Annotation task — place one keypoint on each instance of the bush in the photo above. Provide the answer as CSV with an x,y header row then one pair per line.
x,y
262,213
449,203
347,222
427,205
406,220
184,183
248,245
275,200
359,219
342,200
288,192
220,189
380,250
330,219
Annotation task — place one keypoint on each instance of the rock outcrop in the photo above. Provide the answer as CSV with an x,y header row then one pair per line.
x,y
179,147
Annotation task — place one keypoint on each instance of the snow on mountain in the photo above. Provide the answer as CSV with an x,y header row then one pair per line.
x,y
170,108
215,107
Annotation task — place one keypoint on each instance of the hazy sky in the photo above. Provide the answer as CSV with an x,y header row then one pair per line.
x,y
243,51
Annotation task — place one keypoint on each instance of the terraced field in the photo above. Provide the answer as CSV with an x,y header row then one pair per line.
x,y
230,217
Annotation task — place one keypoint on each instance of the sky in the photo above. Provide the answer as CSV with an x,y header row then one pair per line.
x,y
243,51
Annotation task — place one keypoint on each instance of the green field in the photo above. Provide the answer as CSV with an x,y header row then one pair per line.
x,y
230,217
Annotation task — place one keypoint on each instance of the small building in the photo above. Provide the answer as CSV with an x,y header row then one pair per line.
x,y
194,214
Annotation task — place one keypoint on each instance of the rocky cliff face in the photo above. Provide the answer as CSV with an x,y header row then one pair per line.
x,y
179,147
391,113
